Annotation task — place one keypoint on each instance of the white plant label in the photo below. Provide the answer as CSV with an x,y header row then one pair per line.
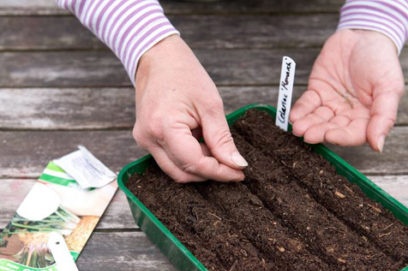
x,y
285,92
59,250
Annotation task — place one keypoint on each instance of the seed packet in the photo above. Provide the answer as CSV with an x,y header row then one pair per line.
x,y
56,205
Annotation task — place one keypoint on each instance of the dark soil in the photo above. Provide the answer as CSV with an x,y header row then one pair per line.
x,y
292,212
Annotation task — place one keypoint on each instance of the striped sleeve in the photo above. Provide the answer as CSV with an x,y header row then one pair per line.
x,y
385,16
128,27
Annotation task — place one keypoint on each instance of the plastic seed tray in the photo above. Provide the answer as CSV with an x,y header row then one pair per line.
x,y
180,256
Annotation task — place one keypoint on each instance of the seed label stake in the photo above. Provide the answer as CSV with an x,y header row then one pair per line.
x,y
60,252
285,92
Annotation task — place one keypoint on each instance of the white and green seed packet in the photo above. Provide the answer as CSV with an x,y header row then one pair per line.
x,y
56,204
85,168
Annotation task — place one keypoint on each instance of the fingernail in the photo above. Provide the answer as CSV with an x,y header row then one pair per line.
x,y
380,143
239,160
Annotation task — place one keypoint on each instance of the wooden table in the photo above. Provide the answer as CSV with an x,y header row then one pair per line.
x,y
60,87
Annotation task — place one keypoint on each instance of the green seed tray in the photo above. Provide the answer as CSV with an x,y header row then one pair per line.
x,y
180,256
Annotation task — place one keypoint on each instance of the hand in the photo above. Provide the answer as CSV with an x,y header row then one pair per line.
x,y
353,93
177,103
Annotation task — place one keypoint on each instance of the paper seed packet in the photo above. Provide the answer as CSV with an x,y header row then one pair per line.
x,y
60,205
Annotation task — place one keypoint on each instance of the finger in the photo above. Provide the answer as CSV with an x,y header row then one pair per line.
x,y
171,169
353,134
219,140
306,104
383,117
305,124
317,134
190,157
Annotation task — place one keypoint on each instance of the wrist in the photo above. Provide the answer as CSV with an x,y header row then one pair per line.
x,y
152,56
366,38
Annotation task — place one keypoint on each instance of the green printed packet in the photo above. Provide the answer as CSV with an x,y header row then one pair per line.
x,y
54,174
56,203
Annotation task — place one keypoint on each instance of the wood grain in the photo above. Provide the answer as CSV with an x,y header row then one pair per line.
x,y
103,69
128,251
41,7
67,108
222,31
61,87
24,154
393,159
117,148
111,108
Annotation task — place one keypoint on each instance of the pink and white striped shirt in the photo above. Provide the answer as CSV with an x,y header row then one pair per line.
x,y
128,27
389,17
131,27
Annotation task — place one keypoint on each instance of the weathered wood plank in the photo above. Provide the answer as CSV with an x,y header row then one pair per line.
x,y
12,192
49,108
232,31
256,31
97,108
28,7
45,33
393,159
118,215
62,69
122,251
103,69
111,108
36,7
25,153
255,6
395,185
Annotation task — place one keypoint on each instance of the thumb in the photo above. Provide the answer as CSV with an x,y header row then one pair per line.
x,y
383,116
218,139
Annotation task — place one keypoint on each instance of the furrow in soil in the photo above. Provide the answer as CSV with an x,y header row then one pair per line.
x,y
324,233
249,215
149,196
342,198
196,215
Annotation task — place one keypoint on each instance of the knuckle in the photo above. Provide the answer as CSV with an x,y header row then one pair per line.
x,y
181,180
182,177
214,105
189,168
224,137
146,132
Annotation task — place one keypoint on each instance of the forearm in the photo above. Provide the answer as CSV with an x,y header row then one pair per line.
x,y
128,27
387,17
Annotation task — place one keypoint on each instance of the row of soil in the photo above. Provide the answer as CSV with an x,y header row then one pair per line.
x,y
292,212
